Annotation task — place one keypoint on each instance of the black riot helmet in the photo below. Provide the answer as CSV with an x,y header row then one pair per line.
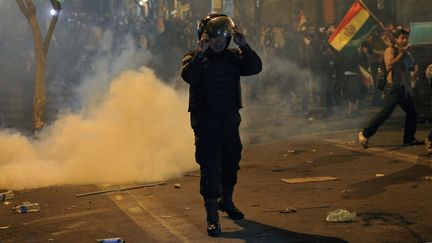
x,y
202,24
222,26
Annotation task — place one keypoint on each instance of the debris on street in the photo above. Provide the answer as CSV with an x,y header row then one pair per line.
x,y
192,175
120,189
4,196
294,152
340,215
254,205
287,210
294,210
111,240
309,179
27,207
177,185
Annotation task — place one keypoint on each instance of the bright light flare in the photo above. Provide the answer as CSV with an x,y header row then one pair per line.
x,y
53,12
142,2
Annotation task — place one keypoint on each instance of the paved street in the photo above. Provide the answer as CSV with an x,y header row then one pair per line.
x,y
385,185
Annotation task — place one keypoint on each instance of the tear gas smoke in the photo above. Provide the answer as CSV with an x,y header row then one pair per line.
x,y
138,133
127,125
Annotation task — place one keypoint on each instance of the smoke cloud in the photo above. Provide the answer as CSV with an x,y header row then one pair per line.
x,y
137,132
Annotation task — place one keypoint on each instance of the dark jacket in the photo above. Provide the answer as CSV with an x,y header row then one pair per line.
x,y
214,78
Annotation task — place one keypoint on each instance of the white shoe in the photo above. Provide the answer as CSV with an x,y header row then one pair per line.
x,y
363,140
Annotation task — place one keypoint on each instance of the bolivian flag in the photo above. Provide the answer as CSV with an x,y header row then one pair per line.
x,y
357,24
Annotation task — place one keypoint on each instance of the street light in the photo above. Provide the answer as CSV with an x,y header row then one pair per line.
x,y
53,12
142,2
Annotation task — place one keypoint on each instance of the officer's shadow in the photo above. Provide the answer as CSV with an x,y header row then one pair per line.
x,y
253,231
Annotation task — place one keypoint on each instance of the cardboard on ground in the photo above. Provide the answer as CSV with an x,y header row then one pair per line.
x,y
309,179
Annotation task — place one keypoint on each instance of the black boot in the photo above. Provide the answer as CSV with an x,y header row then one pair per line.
x,y
213,225
226,204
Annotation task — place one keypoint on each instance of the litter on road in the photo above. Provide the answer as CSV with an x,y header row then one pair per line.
x,y
27,207
287,210
4,196
294,151
294,210
309,179
340,215
120,189
192,175
111,240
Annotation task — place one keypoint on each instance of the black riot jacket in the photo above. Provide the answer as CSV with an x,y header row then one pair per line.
x,y
214,78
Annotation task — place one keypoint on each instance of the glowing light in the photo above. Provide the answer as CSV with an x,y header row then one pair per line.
x,y
141,3
53,12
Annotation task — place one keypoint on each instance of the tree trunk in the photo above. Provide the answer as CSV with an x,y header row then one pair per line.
x,y
41,51
39,91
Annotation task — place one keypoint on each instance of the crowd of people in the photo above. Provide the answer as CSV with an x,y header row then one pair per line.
x,y
326,77
300,67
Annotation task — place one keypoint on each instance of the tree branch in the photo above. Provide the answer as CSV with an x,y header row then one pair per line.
x,y
49,33
27,7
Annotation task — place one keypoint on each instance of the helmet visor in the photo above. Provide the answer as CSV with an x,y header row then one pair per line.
x,y
220,27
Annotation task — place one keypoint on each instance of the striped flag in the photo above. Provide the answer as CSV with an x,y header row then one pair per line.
x,y
357,24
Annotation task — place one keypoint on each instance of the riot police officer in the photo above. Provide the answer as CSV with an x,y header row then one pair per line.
x,y
213,73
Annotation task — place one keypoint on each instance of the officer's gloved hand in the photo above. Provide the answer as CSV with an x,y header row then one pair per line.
x,y
203,43
239,37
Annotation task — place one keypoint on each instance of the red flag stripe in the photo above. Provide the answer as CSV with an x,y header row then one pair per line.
x,y
354,10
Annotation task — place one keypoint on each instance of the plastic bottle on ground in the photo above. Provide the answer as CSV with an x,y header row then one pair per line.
x,y
4,196
27,207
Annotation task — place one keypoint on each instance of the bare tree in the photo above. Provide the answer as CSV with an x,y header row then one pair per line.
x,y
41,46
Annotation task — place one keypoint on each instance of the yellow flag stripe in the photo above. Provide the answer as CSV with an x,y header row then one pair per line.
x,y
350,29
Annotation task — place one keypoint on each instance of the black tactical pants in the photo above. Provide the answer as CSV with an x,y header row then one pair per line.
x,y
218,152
395,96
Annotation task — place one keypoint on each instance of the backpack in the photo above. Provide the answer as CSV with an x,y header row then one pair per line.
x,y
382,73
381,77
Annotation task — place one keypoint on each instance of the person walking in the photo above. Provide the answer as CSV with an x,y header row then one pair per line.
x,y
398,63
